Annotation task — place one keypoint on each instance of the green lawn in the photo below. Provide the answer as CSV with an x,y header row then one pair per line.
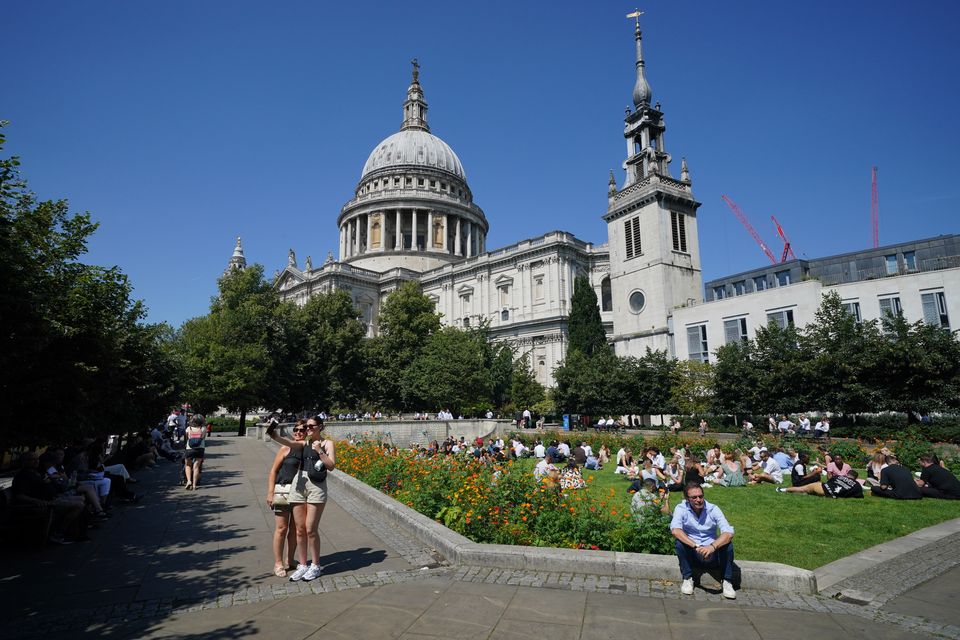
x,y
800,530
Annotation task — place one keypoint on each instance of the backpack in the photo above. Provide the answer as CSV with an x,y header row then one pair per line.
x,y
195,441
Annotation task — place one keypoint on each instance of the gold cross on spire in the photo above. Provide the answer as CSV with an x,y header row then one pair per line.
x,y
636,14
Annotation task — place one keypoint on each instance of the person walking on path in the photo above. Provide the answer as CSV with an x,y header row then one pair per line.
x,y
286,466
703,538
193,454
308,496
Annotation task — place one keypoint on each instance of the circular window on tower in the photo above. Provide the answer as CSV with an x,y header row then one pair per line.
x,y
637,300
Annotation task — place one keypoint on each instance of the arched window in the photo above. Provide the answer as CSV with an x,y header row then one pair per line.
x,y
606,295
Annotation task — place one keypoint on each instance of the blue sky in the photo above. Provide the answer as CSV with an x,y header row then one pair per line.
x,y
180,125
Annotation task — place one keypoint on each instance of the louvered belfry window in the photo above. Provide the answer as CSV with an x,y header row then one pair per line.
x,y
631,232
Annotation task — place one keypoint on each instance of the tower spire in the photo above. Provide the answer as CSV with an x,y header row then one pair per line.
x,y
237,260
641,90
415,107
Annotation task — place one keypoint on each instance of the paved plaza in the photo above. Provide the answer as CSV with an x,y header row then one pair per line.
x,y
198,564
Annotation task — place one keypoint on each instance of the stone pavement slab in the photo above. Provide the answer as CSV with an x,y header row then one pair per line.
x,y
937,599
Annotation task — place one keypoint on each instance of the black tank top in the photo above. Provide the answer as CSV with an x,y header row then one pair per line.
x,y
289,467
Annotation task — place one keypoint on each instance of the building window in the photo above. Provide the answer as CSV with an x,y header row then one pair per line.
x,y
760,283
891,263
935,309
853,308
735,330
631,231
465,304
606,295
783,278
466,322
740,287
910,260
409,181
890,307
719,293
504,295
678,225
697,343
781,318
504,316
538,287
637,301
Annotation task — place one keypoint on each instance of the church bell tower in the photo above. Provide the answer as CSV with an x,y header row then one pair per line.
x,y
652,230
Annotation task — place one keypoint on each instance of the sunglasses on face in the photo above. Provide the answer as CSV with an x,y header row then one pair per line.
x,y
298,430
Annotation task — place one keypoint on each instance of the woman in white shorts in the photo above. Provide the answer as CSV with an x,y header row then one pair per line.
x,y
308,496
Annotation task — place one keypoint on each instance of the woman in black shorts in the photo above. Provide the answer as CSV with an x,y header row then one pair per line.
x,y
286,467
193,454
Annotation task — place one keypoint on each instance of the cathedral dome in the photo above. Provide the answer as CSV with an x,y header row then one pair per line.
x,y
414,147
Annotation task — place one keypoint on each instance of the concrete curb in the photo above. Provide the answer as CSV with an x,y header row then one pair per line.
x,y
459,550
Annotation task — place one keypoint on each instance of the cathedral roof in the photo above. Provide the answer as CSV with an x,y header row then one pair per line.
x,y
414,147
414,144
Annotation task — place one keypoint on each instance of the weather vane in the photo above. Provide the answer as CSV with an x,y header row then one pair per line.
x,y
636,14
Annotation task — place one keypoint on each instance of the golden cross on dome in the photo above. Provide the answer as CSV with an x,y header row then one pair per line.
x,y
636,14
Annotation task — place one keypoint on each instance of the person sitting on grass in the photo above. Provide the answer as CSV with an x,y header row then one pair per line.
x,y
624,460
838,467
836,487
784,460
545,468
674,473
876,465
935,481
896,482
693,473
649,498
571,478
730,473
804,473
768,471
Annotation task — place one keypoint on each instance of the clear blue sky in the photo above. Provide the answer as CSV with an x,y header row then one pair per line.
x,y
180,124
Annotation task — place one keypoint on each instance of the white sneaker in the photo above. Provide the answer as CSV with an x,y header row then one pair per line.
x,y
312,573
728,591
687,587
301,571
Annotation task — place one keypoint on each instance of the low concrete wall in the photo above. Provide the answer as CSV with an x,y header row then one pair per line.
x,y
760,576
403,433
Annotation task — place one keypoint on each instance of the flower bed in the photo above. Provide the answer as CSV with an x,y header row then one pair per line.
x,y
503,504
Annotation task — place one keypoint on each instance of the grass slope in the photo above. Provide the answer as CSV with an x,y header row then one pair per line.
x,y
799,530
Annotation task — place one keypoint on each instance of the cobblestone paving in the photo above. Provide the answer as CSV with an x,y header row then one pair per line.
x,y
410,549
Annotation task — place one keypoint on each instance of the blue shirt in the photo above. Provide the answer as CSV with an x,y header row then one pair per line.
x,y
702,530
783,460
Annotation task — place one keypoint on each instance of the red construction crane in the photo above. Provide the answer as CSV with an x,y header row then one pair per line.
x,y
875,209
746,223
787,249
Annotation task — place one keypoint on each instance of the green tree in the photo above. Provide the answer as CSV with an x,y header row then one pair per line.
x,y
921,366
407,320
839,359
525,391
588,385
451,370
74,354
779,362
326,338
501,374
692,390
586,329
736,379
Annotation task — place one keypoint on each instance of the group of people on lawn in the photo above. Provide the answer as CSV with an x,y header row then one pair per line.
x,y
703,536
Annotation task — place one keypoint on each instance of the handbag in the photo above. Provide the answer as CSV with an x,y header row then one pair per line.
x,y
281,494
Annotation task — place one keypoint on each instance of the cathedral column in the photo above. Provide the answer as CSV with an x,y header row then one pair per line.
x,y
341,243
429,230
349,238
456,240
397,234
356,241
446,232
520,294
413,231
469,239
369,230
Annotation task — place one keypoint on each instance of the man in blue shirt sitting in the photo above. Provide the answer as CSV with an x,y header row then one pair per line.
x,y
704,538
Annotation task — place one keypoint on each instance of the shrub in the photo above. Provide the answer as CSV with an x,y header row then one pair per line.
x,y
911,447
852,452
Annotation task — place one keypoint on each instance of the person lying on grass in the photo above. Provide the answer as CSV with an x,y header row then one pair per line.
x,y
836,487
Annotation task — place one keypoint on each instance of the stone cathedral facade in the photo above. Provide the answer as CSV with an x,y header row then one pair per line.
x,y
413,217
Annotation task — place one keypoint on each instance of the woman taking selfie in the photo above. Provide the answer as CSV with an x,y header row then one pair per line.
x,y
308,495
286,465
